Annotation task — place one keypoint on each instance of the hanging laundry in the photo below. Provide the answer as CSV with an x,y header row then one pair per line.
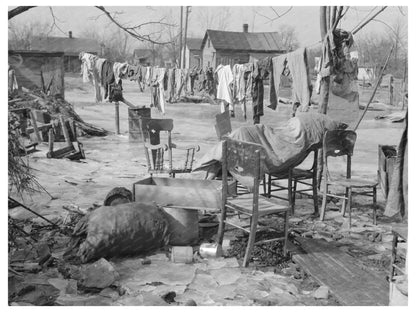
x,y
148,78
242,84
157,92
12,80
90,72
225,78
171,85
296,64
107,77
120,71
260,71
143,73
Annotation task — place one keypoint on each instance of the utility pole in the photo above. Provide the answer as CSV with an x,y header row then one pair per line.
x,y
186,33
180,40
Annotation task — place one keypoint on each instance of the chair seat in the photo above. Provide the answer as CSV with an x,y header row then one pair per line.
x,y
354,182
297,173
244,204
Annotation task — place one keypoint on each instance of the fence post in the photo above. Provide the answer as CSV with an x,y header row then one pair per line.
x,y
117,116
391,90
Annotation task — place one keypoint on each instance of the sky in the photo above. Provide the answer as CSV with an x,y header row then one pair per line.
x,y
305,19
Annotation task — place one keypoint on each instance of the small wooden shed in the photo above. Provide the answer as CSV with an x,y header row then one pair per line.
x,y
39,70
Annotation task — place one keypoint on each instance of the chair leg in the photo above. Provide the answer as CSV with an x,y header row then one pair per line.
x,y
221,226
375,205
344,202
349,204
286,233
295,184
251,240
315,195
290,193
264,185
323,207
269,182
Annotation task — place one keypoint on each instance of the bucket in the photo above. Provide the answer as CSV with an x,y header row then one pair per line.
x,y
135,133
183,226
182,254
210,250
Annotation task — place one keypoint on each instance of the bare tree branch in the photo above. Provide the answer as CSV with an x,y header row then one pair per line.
x,y
132,31
276,13
19,10
54,19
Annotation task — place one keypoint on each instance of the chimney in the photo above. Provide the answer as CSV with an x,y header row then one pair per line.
x,y
245,28
70,34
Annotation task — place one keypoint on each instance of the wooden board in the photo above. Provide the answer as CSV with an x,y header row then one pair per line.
x,y
350,285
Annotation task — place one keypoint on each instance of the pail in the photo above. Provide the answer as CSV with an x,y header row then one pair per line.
x,y
210,250
182,254
134,126
183,226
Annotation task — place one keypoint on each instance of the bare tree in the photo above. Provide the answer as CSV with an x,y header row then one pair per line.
x,y
288,37
218,19
137,31
21,36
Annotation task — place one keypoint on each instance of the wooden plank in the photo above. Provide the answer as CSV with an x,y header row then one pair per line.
x,y
351,285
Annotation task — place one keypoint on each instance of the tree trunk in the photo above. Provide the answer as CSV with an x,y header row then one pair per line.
x,y
324,90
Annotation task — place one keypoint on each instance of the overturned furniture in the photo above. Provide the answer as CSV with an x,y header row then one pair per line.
x,y
244,161
155,151
69,150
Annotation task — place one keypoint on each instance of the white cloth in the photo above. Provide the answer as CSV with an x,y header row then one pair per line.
x,y
225,78
90,73
120,71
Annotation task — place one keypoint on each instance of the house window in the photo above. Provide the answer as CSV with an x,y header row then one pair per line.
x,y
209,44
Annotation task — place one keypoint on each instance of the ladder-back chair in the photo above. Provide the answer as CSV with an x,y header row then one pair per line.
x,y
339,143
244,161
155,151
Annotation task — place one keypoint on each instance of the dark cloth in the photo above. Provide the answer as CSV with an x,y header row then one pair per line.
x,y
133,72
107,76
260,71
171,85
396,203
115,91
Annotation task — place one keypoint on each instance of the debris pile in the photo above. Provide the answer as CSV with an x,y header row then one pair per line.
x,y
55,106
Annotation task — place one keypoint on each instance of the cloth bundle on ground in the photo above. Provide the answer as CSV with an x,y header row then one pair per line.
x,y
285,147
125,229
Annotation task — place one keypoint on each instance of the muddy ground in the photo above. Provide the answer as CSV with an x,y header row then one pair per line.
x,y
115,160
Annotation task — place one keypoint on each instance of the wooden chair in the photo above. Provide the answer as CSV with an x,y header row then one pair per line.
x,y
155,152
243,161
294,176
338,143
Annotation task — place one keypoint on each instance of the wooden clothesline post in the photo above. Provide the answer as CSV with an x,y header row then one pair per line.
x,y
117,116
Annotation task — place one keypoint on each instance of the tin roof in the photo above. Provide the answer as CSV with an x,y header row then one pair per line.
x,y
244,41
70,46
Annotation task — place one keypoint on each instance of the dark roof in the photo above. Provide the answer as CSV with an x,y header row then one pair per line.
x,y
142,53
70,46
194,43
250,41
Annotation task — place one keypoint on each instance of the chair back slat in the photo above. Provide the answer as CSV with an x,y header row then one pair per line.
x,y
244,161
339,143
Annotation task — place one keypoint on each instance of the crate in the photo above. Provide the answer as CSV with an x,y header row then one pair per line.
x,y
387,157
184,193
